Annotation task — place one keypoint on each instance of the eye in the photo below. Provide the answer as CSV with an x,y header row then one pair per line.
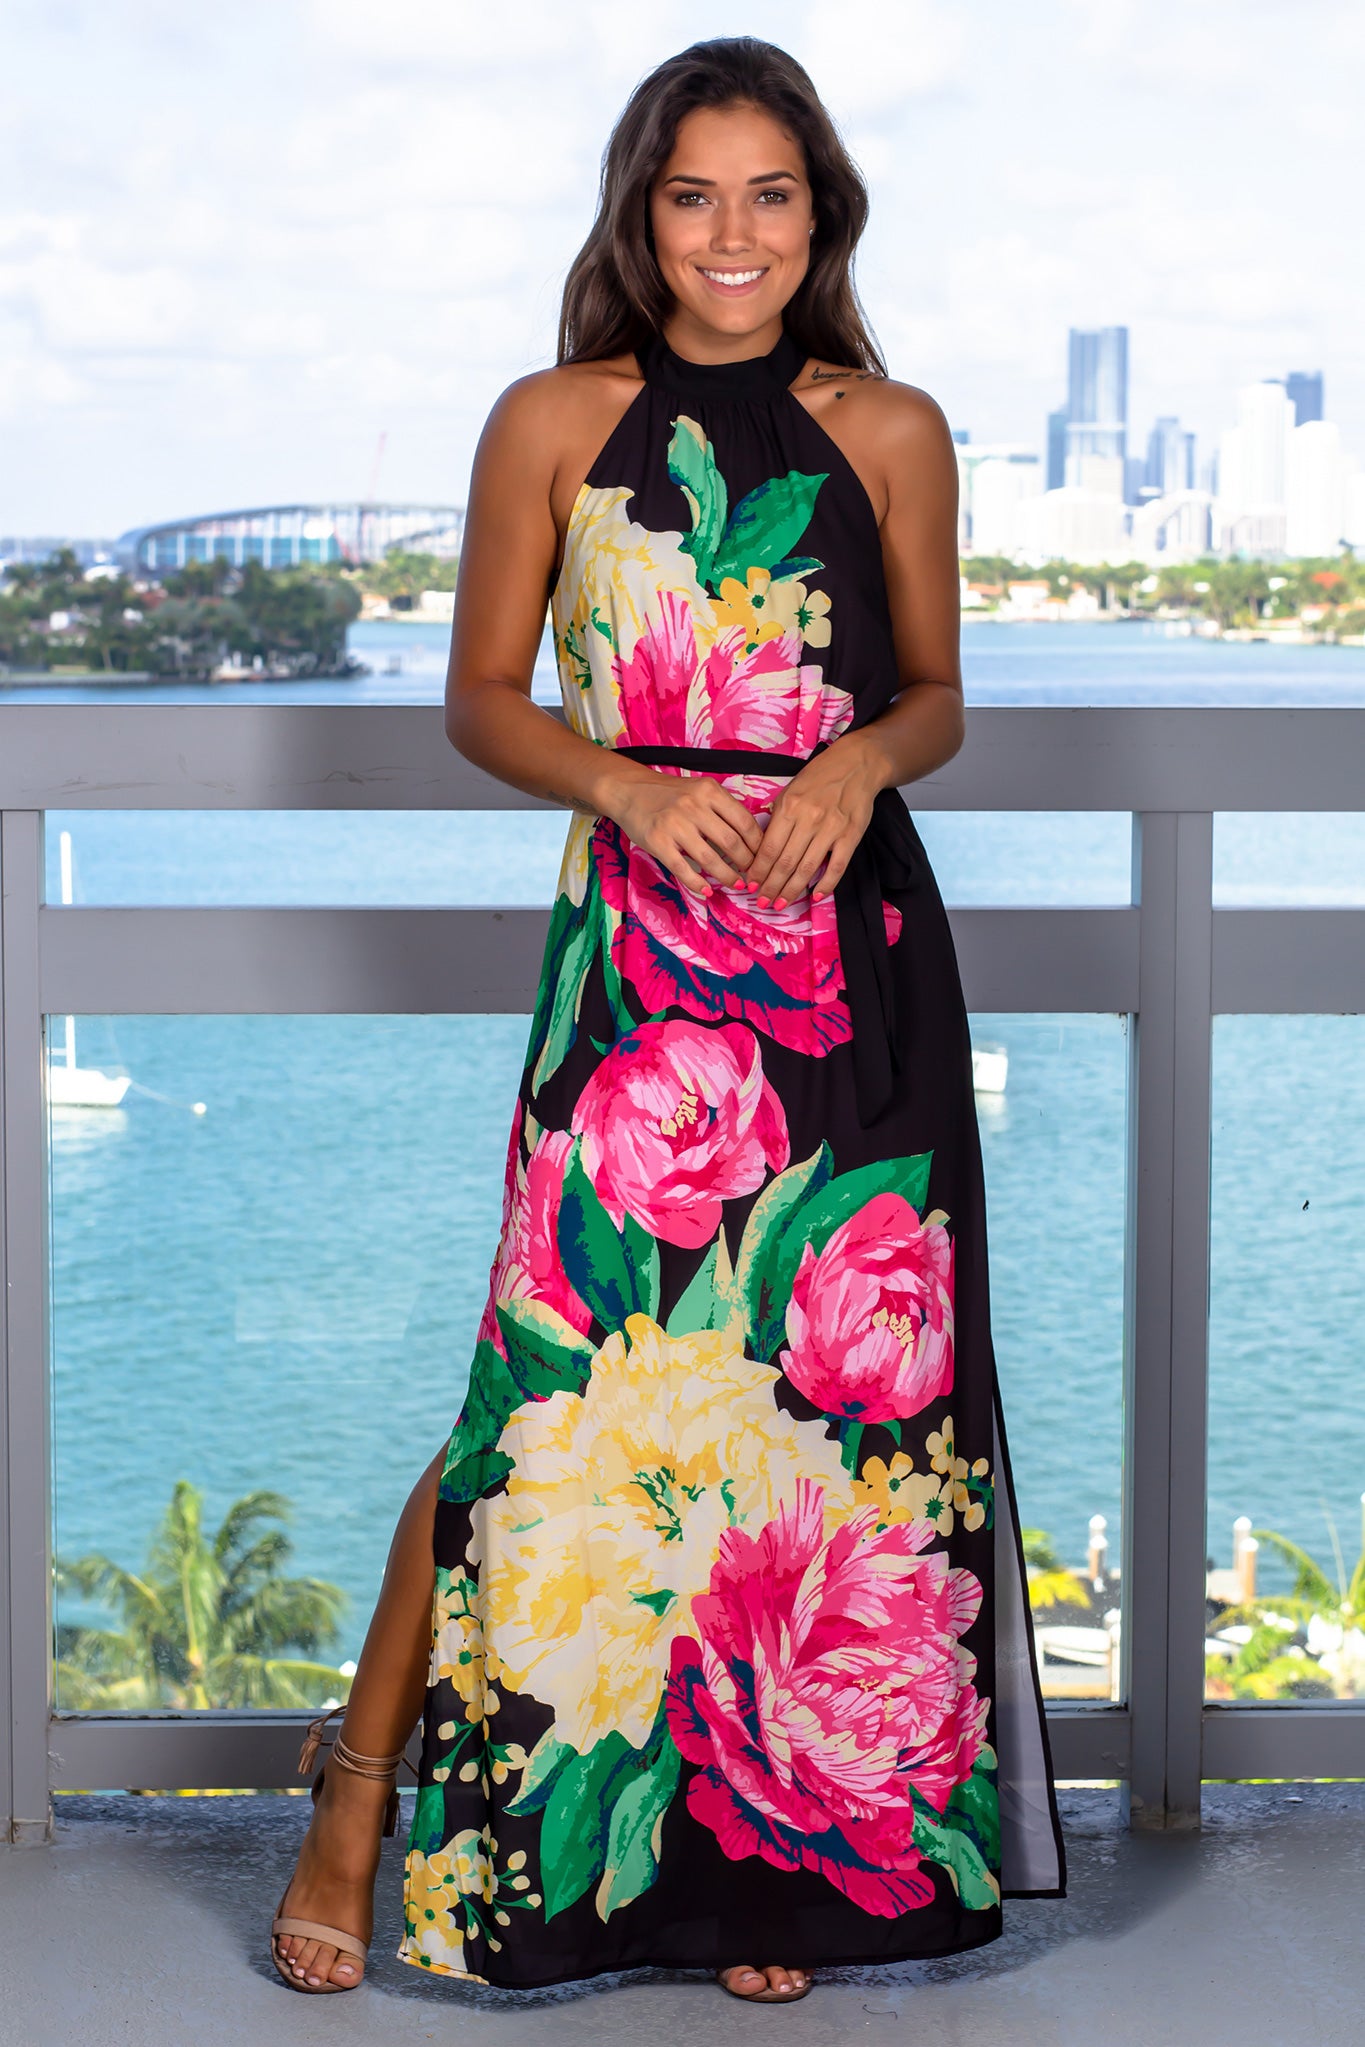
x,y
775,193
682,198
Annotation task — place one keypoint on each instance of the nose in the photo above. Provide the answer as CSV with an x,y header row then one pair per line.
x,y
732,229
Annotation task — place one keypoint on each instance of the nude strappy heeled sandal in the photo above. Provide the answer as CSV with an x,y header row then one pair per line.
x,y
377,1768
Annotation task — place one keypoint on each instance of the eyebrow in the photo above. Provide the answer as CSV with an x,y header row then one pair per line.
x,y
767,178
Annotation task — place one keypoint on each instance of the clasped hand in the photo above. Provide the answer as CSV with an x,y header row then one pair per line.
x,y
705,836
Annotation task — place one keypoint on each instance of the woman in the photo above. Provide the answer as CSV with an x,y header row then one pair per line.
x,y
728,1661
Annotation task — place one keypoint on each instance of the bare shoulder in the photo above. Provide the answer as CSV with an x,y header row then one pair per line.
x,y
888,430
542,398
549,424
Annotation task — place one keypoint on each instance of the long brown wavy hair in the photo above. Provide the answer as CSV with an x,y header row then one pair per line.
x,y
615,296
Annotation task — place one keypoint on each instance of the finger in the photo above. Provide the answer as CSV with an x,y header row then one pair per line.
x,y
741,820
713,863
837,867
809,865
782,883
766,860
727,843
686,871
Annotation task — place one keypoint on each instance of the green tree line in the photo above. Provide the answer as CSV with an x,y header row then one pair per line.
x,y
294,621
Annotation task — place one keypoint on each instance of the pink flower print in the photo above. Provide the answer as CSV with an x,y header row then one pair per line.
x,y
675,691
654,682
721,955
870,1321
828,1680
528,1266
675,1120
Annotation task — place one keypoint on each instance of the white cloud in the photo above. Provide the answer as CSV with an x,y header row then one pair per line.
x,y
867,58
250,240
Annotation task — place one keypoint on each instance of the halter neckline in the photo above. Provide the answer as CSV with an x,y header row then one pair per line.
x,y
754,376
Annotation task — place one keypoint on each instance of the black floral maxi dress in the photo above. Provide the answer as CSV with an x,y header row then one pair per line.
x,y
730,1658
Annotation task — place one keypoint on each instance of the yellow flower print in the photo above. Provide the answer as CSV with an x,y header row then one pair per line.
x,y
614,574
457,1649
612,1516
942,1452
801,611
457,1893
750,606
434,1934
900,1492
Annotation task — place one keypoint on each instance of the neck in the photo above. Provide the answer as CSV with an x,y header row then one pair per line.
x,y
692,339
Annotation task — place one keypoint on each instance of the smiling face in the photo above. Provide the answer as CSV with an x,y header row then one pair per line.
x,y
731,213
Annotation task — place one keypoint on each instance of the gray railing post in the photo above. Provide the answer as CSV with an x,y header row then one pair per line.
x,y
1166,1316
25,1566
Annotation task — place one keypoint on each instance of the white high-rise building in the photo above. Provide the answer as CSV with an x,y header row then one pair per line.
x,y
1001,480
1249,513
1315,490
1072,524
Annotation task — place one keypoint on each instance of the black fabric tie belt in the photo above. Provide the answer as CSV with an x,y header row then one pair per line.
x,y
887,857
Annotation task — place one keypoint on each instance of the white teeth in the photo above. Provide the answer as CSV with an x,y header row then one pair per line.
x,y
730,277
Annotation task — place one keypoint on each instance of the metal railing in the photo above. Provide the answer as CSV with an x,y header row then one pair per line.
x,y
1169,959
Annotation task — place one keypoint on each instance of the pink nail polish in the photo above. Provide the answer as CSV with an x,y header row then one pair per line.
x,y
763,902
781,903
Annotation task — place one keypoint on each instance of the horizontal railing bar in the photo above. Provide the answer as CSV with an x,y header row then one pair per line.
x,y
1284,1741
269,959
259,1751
362,961
396,757
1287,962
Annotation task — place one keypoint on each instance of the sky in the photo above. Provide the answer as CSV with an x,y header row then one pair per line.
x,y
240,242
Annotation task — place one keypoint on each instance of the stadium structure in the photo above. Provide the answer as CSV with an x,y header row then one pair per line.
x,y
285,536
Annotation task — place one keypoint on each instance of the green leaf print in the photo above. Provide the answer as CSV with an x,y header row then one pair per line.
x,y
761,1275
766,525
569,947
805,1205
710,1300
848,1192
545,1352
429,1827
574,1830
546,1761
633,1837
965,1838
473,1463
538,1364
976,1805
616,1272
794,565
692,466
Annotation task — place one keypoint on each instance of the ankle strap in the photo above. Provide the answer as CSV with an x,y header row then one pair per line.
x,y
375,1767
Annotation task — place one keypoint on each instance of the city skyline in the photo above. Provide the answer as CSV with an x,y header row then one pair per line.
x,y
221,280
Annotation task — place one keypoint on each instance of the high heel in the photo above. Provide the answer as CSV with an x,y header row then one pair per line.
x,y
376,1768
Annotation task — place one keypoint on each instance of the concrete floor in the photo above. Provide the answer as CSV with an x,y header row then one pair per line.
x,y
146,1922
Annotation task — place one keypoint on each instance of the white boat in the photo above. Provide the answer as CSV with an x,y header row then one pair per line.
x,y
990,1067
72,1086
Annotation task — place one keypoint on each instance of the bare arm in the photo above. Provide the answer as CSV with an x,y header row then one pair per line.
x,y
824,811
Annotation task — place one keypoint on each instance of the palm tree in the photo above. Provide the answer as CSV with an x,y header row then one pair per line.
x,y
1049,1581
1279,1661
210,1620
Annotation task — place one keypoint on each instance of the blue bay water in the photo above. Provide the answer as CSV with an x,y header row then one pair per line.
x,y
283,1292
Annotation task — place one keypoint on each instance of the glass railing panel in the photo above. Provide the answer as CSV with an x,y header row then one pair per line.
x,y
1053,1149
1289,858
1010,858
277,1295
1286,1582
273,857
325,857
